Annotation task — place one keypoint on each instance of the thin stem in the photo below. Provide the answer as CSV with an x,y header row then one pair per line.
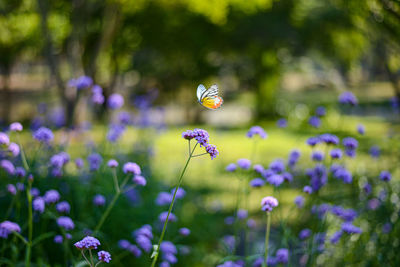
x,y
83,254
267,237
21,237
198,155
91,257
30,225
115,180
23,156
170,208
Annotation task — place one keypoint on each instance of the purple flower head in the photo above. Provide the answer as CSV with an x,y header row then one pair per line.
x,y
115,131
96,89
4,140
145,230
104,256
184,231
321,210
12,189
307,189
124,118
251,223
94,161
244,164
293,157
115,101
202,137
38,204
256,130
350,143
35,192
317,156
299,201
282,123
386,228
373,204
163,198
20,172
124,244
131,167
361,129
229,241
350,228
314,121
79,163
168,247
304,234
59,160
275,179
268,203
347,215
229,264
7,166
329,139
336,237
51,196
98,98
168,257
14,149
231,167
229,220
320,111
367,188
188,135
258,168
83,82
16,127
65,222
348,98
63,207
179,194
336,153
282,255
267,173
163,216
58,239
212,151
313,141
277,166
375,151
135,251
385,176
7,228
242,214
257,182
343,175
20,186
165,264
144,242
258,262
112,163
88,242
99,200
44,135
139,180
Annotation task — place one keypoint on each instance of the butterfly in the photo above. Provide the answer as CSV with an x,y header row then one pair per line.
x,y
209,97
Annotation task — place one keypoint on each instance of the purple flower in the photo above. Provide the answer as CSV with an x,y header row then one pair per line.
x,y
385,176
350,143
51,196
58,239
361,129
293,157
336,236
65,222
317,156
44,135
7,166
179,194
83,82
386,228
134,250
15,127
115,131
348,98
375,151
268,203
299,201
329,139
258,168
229,264
347,215
282,123
275,179
307,189
188,135
35,192
20,172
229,241
63,207
312,141
20,186
168,247
304,234
94,161
201,136
256,130
336,153
163,216
12,189
104,256
171,258
14,149
242,214
124,244
343,175
320,111
112,163
251,223
79,163
244,164
124,117
163,198
98,98
88,242
282,255
4,140
99,200
145,230
7,228
115,101
314,121
38,204
144,242
131,167
229,220
184,231
257,182
373,204
277,166
350,228
231,167
165,264
139,180
367,188
212,151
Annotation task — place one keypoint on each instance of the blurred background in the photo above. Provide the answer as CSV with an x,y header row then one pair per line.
x,y
261,53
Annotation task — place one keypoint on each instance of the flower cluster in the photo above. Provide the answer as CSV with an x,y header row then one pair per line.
x,y
268,203
202,138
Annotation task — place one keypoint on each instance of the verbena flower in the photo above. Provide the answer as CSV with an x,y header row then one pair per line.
x,y
145,230
251,223
314,121
299,201
115,131
184,231
124,244
179,194
7,228
385,176
82,82
293,157
88,242
65,222
258,168
317,156
350,143
139,180
51,196
201,136
313,141
212,151
163,216
20,172
15,127
131,167
320,111
163,198
336,153
244,164
257,182
188,135
305,233
7,166
275,179
94,161
112,163
79,163
367,188
282,123
4,139
115,101
282,255
336,237
229,264
58,239
347,215
348,98
350,228
63,207
268,203
242,214
361,129
329,139
124,117
98,98
229,220
13,148
35,192
99,200
256,130
144,242
135,251
104,256
277,166
12,189
231,167
20,186
373,204
38,204
307,189
44,135
375,151
229,241
387,228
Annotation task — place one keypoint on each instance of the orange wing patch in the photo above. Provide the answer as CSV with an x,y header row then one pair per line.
x,y
212,102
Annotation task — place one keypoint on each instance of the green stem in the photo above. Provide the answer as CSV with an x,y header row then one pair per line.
x,y
83,254
23,156
91,258
153,264
21,237
30,226
115,180
267,237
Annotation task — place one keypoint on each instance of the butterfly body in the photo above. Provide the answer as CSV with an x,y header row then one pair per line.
x,y
209,98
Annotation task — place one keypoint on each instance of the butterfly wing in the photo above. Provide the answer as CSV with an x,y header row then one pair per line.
x,y
200,91
213,102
